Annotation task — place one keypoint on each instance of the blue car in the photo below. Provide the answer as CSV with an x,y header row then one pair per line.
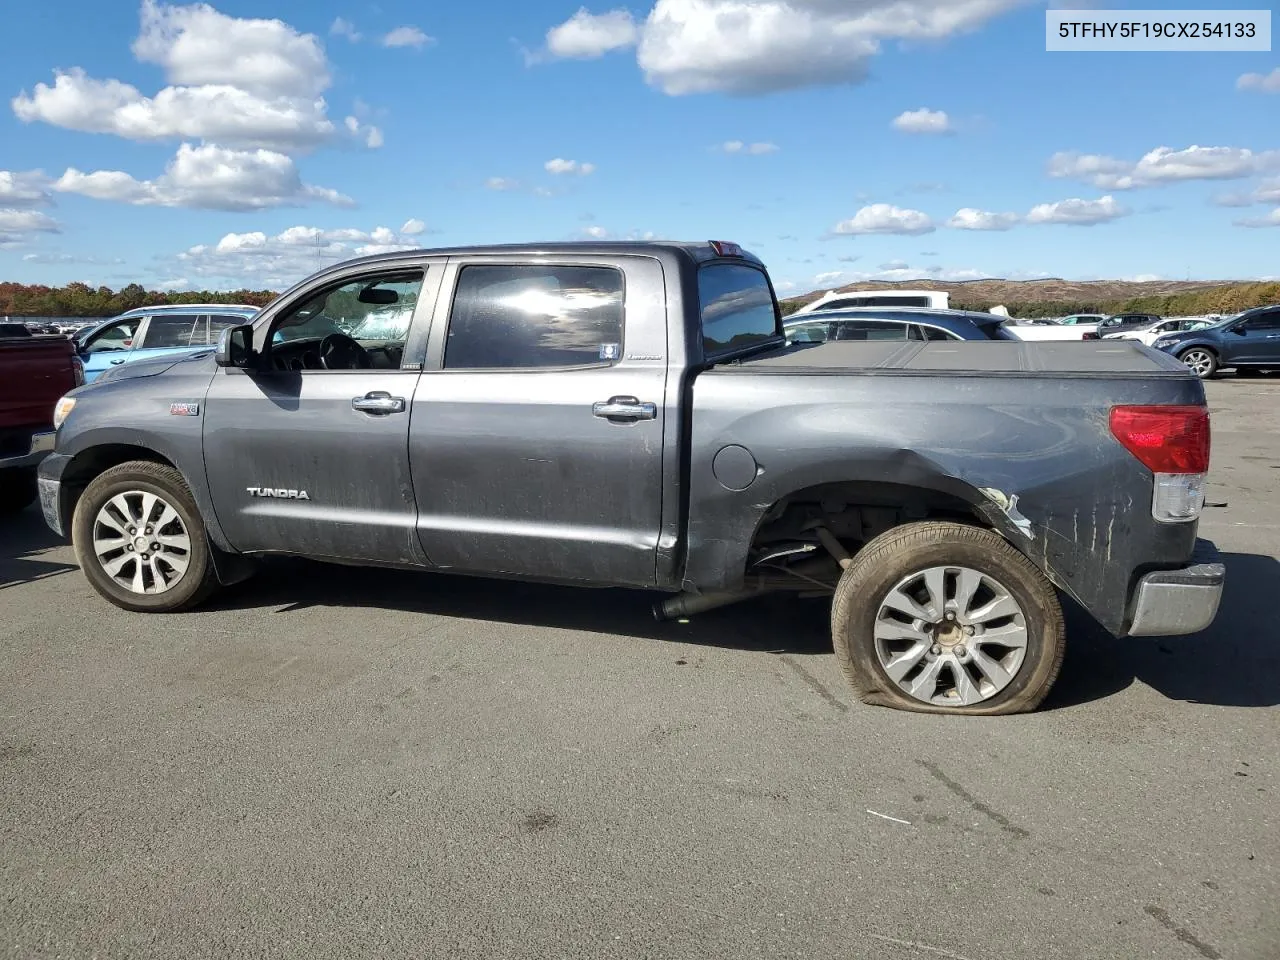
x,y
156,332
1249,341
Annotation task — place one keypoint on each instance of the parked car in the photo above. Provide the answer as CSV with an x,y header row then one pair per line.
x,y
1079,326
1149,334
1249,342
630,415
895,323
155,331
834,300
1124,322
34,373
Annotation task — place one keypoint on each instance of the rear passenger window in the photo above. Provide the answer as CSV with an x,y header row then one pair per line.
x,y
933,333
528,316
738,309
171,330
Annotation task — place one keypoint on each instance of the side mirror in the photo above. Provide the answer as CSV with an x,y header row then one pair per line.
x,y
235,347
1240,329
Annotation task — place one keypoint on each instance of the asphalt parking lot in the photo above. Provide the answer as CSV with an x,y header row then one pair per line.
x,y
336,762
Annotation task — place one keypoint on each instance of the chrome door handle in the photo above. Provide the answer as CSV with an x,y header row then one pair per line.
x,y
378,403
625,409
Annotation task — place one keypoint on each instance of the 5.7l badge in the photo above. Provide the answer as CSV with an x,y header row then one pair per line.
x,y
278,493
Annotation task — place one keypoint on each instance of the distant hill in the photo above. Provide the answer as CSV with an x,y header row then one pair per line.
x,y
1054,297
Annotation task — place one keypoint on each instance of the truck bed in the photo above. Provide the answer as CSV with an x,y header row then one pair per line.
x,y
1092,359
1017,431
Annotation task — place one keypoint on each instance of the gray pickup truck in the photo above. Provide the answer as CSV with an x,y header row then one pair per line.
x,y
630,415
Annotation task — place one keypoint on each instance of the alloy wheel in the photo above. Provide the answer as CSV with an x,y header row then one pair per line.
x,y
950,636
141,542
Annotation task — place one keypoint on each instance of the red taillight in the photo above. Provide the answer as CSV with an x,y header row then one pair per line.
x,y
1172,439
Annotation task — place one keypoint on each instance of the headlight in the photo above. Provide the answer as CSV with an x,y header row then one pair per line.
x,y
63,410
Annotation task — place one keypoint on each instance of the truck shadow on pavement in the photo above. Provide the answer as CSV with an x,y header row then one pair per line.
x,y
21,536
1236,662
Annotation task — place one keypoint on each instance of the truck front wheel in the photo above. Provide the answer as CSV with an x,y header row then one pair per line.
x,y
941,617
140,540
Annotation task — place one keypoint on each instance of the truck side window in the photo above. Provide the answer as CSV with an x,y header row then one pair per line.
x,y
738,309
526,316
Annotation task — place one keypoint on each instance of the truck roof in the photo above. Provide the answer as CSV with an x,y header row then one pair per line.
x,y
696,250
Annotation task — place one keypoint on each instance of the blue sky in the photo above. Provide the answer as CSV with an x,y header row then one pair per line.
x,y
194,146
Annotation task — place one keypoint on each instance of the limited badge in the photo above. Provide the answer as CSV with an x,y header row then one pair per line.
x,y
610,351
184,409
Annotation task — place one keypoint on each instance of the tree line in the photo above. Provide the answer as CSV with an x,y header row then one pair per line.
x,y
82,300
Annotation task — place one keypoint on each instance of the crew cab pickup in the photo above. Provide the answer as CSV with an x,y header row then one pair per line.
x,y
630,415
34,373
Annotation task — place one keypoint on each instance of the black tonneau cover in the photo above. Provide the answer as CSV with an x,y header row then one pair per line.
x,y
1128,358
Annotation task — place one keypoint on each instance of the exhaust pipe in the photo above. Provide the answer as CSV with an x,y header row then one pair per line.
x,y
690,604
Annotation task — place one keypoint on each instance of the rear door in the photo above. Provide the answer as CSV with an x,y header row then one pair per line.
x,y
536,436
166,333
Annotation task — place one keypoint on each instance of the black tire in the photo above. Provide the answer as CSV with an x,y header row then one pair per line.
x,y
1209,369
142,476
17,490
893,556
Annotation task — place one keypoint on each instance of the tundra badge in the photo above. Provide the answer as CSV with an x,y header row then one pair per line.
x,y
278,493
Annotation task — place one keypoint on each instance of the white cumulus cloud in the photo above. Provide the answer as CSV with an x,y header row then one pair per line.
x,y
197,45
1163,165
923,120
561,167
215,112
761,46
18,189
1077,212
412,227
257,259
18,226
586,36
407,37
885,218
1272,219
206,177
969,218
344,28
1265,82
753,149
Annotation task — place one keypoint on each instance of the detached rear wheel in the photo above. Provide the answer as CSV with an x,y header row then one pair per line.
x,y
1203,363
140,540
945,618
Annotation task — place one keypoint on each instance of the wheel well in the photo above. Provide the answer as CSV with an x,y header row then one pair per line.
x,y
1198,346
854,513
88,464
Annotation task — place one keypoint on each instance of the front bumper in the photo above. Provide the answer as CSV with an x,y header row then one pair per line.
x,y
1172,602
41,446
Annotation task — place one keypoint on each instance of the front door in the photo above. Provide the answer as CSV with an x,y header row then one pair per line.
x,y
536,436
310,456
108,347
1254,340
